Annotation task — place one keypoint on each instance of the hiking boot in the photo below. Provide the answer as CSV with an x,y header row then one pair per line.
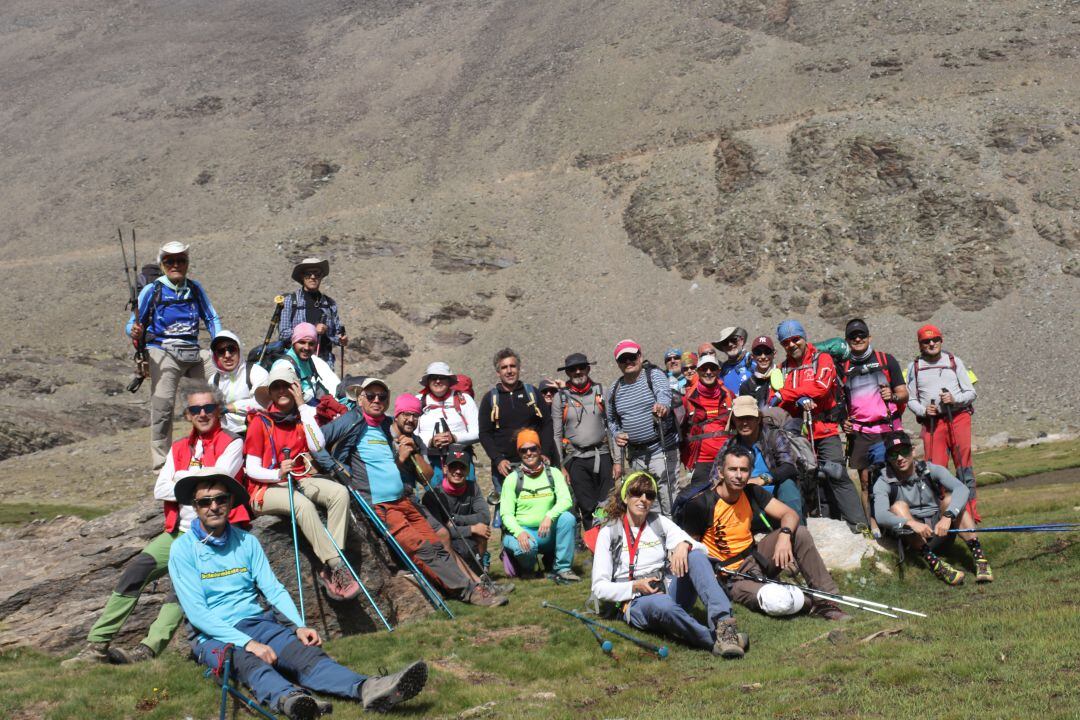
x,y
298,705
338,583
828,611
565,577
729,641
484,597
92,652
137,654
382,692
947,573
502,588
325,706
983,573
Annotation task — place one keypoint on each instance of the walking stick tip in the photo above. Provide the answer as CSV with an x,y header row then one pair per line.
x,y
607,647
543,603
662,652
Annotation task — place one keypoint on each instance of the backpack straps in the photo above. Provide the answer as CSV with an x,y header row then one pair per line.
x,y
521,481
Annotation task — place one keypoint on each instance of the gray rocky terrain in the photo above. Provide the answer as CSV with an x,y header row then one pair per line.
x,y
553,176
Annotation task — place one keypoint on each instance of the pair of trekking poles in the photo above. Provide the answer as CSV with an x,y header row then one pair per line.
x,y
661,651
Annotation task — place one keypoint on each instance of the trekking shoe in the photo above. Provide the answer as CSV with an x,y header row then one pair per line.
x,y
92,652
565,577
947,573
983,573
493,498
502,588
338,583
298,705
483,597
137,654
325,706
729,641
379,693
828,611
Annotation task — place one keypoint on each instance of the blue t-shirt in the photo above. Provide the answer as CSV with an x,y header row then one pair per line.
x,y
384,477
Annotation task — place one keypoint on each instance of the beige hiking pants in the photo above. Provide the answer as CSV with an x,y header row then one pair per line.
x,y
165,374
308,493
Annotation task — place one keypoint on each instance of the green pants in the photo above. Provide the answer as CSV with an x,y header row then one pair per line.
x,y
147,566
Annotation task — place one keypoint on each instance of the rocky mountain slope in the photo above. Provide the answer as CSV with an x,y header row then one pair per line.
x,y
553,176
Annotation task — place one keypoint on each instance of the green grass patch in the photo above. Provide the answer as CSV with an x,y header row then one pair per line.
x,y
1018,462
1007,649
19,513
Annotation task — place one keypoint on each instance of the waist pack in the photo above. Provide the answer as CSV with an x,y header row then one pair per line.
x,y
184,354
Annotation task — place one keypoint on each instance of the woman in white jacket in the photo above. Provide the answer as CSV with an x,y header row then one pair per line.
x,y
235,381
448,417
653,572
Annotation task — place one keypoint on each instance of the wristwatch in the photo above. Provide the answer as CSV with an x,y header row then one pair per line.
x,y
950,514
786,531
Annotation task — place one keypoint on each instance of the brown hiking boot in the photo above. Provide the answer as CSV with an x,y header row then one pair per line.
x,y
92,652
484,597
730,643
829,611
947,573
338,583
137,654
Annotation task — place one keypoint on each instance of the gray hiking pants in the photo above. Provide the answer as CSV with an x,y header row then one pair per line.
x,y
664,465
842,496
165,374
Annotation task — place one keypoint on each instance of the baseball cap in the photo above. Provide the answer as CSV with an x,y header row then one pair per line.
x,y
745,406
929,331
626,347
763,341
707,360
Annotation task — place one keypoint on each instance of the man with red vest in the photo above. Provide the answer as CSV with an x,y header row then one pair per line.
x,y
811,388
207,445
705,426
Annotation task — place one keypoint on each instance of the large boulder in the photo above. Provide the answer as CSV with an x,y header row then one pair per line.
x,y
844,550
56,575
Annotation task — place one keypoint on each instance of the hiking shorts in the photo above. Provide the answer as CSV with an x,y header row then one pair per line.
x,y
866,449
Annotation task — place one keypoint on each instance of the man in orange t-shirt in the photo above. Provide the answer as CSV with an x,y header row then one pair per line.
x,y
725,517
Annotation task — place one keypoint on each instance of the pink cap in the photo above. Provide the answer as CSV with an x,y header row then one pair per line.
x,y
406,403
626,347
304,331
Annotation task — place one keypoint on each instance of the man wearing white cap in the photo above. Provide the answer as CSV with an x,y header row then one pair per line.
x,y
167,319
309,304
448,417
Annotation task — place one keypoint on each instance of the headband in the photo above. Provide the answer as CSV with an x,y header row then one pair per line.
x,y
634,476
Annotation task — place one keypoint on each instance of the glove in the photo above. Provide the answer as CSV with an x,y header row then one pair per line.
x,y
803,402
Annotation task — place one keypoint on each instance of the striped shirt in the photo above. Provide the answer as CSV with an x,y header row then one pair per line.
x,y
634,403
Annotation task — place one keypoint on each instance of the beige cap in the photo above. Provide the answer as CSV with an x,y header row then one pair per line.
x,y
745,406
283,371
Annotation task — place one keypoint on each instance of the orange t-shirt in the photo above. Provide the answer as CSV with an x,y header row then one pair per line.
x,y
729,534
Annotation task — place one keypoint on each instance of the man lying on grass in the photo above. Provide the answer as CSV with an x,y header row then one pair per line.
x,y
649,572
725,517
921,502
219,571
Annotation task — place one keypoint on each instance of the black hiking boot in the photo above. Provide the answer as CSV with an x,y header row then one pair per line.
x,y
730,643
382,692
298,705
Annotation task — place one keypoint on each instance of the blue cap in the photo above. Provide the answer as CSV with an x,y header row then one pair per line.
x,y
673,352
790,329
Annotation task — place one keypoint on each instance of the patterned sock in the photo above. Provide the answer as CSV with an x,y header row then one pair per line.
x,y
929,556
976,549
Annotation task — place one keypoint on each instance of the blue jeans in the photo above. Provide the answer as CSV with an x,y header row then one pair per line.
x,y
668,612
310,666
557,547
788,493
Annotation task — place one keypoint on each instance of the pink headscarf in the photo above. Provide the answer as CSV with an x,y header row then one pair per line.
x,y
304,331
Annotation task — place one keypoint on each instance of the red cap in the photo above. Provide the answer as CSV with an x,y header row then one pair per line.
x,y
626,346
929,331
763,340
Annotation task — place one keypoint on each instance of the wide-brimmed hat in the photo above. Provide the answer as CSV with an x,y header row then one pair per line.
x,y
184,490
573,360
438,369
282,371
353,390
319,264
172,248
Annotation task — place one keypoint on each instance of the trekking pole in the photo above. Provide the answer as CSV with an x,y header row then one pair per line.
x,y
356,577
226,671
661,651
343,349
671,479
432,595
484,577
855,602
227,688
1050,527
605,645
279,305
286,452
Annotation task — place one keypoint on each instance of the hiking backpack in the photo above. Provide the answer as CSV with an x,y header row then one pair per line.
x,y
567,398
881,363
952,366
149,273
778,419
530,393
521,481
458,402
647,368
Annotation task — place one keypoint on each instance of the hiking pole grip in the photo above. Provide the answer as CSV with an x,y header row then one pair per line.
x,y
279,305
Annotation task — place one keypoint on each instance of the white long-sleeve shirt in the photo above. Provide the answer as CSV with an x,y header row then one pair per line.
x,y
236,391
464,421
651,556
253,466
228,462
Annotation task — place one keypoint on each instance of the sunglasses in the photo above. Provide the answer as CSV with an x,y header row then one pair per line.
x,y
549,393
647,494
626,359
791,341
930,341
707,370
857,337
528,450
208,408
312,274
377,396
577,369
226,350
441,379
170,261
762,352
205,502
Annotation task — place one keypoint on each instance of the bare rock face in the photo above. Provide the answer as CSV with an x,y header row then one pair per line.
x,y
51,604
381,350
840,548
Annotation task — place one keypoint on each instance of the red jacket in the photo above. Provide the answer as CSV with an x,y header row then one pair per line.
x,y
266,440
705,416
814,378
213,445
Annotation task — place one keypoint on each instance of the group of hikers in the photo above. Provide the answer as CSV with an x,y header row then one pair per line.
x,y
689,481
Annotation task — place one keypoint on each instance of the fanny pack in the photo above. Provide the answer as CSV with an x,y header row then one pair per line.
x,y
183,353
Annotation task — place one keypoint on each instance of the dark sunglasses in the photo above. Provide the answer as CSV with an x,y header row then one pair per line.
x,y
205,502
574,370
227,350
377,396
208,408
790,341
857,337
528,450
174,261
930,341
312,274
624,359
647,494
551,391
762,351
708,370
